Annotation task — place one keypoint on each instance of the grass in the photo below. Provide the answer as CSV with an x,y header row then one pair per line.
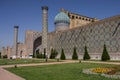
x,y
59,72
114,61
104,61
23,61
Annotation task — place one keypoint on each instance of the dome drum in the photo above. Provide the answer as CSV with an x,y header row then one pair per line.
x,y
61,26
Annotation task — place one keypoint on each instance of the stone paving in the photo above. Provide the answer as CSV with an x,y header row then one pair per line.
x,y
5,75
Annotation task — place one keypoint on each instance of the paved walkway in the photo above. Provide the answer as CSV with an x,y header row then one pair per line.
x,y
5,75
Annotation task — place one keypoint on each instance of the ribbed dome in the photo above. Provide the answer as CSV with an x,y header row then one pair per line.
x,y
61,17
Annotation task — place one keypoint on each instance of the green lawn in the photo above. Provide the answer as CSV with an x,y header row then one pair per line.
x,y
23,61
59,72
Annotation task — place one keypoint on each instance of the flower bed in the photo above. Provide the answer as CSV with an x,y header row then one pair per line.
x,y
102,70
106,72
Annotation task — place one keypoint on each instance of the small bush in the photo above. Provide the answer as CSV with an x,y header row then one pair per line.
x,y
15,66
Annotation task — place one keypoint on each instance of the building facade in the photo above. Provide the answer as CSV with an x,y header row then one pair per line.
x,y
74,30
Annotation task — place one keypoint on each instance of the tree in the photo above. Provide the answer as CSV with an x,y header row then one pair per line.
x,y
37,54
62,57
33,55
86,55
0,54
44,55
41,55
74,56
53,54
105,56
5,56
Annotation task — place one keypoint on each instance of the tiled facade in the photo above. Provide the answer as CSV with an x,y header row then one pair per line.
x,y
83,31
94,36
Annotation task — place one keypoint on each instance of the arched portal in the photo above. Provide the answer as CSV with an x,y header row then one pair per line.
x,y
37,43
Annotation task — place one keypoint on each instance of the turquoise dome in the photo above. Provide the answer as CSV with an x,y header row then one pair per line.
x,y
62,18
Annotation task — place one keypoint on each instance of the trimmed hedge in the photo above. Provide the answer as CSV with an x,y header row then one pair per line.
x,y
74,56
105,56
62,57
53,54
86,55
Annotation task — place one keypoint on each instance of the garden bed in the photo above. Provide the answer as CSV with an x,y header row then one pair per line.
x,y
110,72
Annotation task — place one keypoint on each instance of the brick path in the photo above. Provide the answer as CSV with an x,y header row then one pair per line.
x,y
5,75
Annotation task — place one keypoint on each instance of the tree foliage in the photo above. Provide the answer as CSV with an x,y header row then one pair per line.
x,y
105,56
86,55
74,56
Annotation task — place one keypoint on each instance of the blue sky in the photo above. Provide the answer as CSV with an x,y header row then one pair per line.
x,y
27,14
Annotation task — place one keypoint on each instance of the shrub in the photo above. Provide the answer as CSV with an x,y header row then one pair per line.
x,y
0,54
105,56
33,56
86,55
62,57
53,54
5,56
44,55
41,55
74,56
37,54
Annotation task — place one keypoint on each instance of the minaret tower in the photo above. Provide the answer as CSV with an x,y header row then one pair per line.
x,y
15,47
44,28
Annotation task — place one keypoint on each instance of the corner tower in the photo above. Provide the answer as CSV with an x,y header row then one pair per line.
x,y
44,28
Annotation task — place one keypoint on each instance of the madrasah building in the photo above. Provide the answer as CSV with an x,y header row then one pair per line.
x,y
71,30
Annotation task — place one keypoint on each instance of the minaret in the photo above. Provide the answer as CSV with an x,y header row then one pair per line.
x,y
15,46
44,28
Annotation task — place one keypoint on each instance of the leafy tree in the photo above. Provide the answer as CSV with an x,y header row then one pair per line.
x,y
86,55
75,56
53,54
105,56
62,57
